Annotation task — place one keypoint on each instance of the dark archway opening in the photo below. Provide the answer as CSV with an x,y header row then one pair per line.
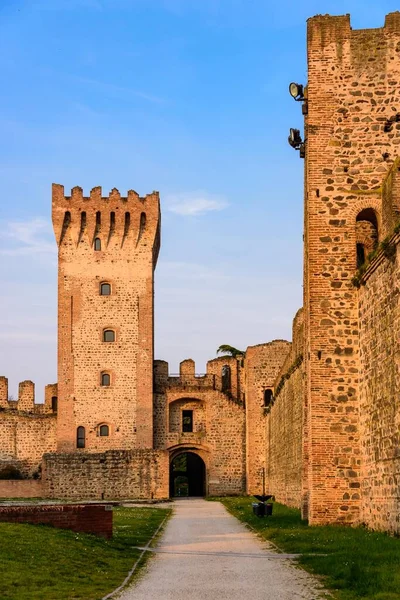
x,y
187,476
360,255
366,234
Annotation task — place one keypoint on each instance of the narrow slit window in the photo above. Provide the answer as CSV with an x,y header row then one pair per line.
x,y
127,223
268,397
105,379
105,289
108,335
187,421
83,224
97,244
80,437
54,404
104,431
226,378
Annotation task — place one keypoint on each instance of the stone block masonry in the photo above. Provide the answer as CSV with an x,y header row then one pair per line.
x,y
111,475
82,518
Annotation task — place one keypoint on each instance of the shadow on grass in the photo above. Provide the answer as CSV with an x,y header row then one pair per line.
x,y
44,563
358,563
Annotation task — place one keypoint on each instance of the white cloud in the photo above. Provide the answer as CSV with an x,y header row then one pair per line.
x,y
21,238
193,204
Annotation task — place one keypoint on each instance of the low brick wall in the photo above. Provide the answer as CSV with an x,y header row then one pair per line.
x,y
83,518
21,488
114,474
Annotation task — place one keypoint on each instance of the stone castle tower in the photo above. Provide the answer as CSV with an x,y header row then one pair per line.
x,y
108,249
351,204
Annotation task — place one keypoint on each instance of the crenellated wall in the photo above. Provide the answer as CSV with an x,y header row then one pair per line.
x,y
27,430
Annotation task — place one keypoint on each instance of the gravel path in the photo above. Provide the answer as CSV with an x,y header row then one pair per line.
x,y
206,554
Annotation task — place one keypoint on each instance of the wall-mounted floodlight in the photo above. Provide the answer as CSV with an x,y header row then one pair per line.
x,y
296,142
294,138
296,90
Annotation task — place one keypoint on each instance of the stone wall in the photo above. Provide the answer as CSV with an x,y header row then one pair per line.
x,y
352,94
107,475
379,307
261,368
89,518
284,425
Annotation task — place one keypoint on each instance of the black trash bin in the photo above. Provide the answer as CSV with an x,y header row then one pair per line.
x,y
268,510
259,509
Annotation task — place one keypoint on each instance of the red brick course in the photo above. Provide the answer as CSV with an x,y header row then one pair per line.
x,y
83,518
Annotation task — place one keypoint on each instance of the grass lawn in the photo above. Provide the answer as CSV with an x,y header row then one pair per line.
x,y
358,563
40,562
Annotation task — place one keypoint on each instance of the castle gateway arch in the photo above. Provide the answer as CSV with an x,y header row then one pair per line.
x,y
187,474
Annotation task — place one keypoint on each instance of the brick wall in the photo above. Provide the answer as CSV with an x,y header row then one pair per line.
x,y
107,475
379,394
90,518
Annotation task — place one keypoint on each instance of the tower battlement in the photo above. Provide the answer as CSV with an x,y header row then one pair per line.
x,y
113,219
332,28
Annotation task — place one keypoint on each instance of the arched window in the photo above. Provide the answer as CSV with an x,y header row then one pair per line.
x,y
105,379
105,289
366,234
54,404
226,378
80,437
104,431
108,335
97,244
268,397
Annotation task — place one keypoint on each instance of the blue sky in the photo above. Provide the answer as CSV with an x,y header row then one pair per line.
x,y
188,97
